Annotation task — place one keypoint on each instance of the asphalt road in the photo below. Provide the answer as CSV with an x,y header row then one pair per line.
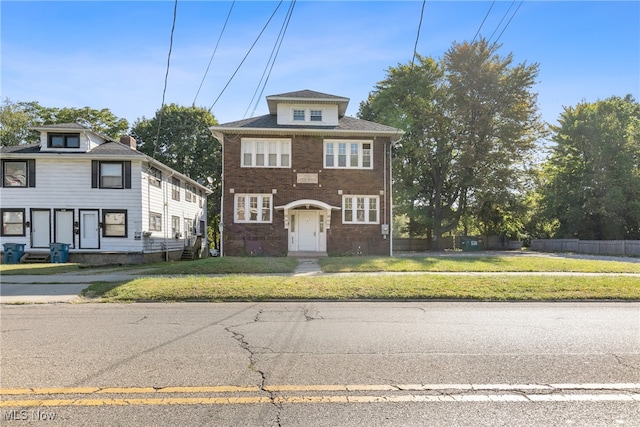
x,y
337,364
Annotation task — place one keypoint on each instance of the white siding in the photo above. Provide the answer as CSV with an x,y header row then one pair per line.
x,y
160,201
329,114
66,184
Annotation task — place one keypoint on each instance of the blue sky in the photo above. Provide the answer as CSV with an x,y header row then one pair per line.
x,y
114,54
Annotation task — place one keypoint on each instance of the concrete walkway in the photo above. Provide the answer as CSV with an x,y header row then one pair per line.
x,y
307,267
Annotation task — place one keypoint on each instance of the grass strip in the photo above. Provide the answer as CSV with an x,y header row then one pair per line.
x,y
224,265
354,287
475,264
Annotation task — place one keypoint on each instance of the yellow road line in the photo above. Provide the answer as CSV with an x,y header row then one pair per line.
x,y
312,388
531,398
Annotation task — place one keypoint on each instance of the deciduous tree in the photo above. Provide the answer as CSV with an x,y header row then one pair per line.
x,y
593,186
471,124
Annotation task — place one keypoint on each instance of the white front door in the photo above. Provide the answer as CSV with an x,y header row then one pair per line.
x,y
89,235
64,227
307,230
40,228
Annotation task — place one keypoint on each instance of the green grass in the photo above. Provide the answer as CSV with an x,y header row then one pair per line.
x,y
383,287
475,264
38,269
224,265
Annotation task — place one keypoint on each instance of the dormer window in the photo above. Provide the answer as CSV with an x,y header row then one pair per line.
x,y
64,140
298,115
315,115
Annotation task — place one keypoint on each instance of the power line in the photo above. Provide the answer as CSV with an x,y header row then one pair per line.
x,y
274,55
214,52
500,23
514,14
166,76
247,54
485,18
415,46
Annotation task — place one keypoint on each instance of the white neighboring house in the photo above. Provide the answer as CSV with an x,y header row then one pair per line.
x,y
108,201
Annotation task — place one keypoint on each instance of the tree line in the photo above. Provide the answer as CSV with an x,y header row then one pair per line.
x,y
476,157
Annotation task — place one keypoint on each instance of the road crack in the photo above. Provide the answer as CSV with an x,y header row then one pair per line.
x,y
244,344
621,361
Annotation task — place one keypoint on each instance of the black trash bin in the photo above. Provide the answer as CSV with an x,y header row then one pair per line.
x,y
13,252
59,252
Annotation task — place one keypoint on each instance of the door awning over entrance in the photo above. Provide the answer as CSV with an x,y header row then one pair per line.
x,y
307,203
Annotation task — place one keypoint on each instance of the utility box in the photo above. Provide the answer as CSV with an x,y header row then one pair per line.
x,y
470,244
59,252
13,252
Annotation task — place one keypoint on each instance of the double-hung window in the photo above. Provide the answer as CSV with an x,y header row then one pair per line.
x,y
360,209
155,177
110,174
298,115
13,222
253,208
175,189
114,223
19,173
155,221
315,115
266,153
348,154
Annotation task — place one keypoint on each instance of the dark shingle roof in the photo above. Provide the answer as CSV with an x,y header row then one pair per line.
x,y
307,96
73,125
270,122
114,148
111,148
21,149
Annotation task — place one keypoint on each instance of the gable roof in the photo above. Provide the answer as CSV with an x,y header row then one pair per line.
x,y
307,96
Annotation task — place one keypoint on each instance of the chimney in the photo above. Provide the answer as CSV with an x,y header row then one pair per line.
x,y
128,140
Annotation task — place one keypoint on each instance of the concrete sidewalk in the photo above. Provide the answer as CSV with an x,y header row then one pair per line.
x,y
66,287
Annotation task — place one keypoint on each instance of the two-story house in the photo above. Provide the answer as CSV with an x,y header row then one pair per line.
x,y
306,179
109,202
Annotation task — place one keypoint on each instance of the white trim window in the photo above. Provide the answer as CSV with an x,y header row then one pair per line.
x,y
360,209
155,221
315,115
266,153
348,154
299,115
255,208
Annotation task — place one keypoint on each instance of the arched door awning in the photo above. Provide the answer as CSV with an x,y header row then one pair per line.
x,y
307,203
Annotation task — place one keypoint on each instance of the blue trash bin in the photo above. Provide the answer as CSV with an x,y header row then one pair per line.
x,y
13,252
59,252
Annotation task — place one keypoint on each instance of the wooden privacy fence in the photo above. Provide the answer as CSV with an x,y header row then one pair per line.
x,y
593,247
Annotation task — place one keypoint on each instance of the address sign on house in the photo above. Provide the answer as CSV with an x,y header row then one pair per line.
x,y
307,178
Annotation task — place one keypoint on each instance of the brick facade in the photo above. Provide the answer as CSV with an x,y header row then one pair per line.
x,y
306,157
306,198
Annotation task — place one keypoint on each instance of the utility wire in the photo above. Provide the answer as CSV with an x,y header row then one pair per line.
x,y
514,14
214,52
500,23
245,57
274,55
415,46
485,18
166,77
